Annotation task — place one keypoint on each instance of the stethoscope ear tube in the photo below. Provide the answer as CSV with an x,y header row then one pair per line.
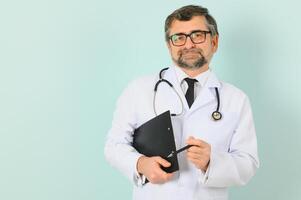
x,y
162,80
155,94
161,72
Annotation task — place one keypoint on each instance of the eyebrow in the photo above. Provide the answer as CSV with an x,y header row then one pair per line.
x,y
188,33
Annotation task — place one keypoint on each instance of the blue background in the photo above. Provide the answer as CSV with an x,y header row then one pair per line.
x,y
63,64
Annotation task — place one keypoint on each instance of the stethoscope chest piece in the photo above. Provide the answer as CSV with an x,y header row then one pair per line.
x,y
216,115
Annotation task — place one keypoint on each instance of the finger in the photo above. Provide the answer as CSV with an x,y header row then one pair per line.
x,y
190,137
163,162
195,149
196,142
194,155
163,176
200,151
168,176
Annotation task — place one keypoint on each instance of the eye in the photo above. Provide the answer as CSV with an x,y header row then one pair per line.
x,y
197,35
178,37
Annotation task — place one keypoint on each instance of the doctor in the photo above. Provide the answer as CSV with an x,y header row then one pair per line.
x,y
224,151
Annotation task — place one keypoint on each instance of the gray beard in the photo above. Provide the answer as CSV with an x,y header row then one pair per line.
x,y
196,65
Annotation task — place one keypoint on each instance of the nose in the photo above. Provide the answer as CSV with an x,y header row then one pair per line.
x,y
189,44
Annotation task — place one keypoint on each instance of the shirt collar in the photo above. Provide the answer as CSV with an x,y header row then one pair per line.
x,y
201,78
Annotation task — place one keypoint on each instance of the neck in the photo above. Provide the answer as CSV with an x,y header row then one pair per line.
x,y
195,72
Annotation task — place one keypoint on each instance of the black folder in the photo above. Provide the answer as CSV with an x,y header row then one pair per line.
x,y
156,138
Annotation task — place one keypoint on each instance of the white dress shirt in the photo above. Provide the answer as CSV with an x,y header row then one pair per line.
x,y
201,80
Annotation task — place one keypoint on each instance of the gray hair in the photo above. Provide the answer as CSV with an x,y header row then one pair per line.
x,y
186,13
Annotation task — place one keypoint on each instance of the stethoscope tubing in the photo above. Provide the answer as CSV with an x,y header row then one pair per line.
x,y
216,115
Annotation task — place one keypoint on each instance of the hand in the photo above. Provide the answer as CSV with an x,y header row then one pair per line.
x,y
199,153
150,167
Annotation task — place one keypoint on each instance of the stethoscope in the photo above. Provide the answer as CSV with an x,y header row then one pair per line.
x,y
216,115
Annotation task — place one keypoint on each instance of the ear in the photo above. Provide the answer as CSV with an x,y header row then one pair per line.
x,y
214,42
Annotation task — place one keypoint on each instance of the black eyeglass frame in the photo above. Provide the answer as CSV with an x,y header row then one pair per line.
x,y
189,35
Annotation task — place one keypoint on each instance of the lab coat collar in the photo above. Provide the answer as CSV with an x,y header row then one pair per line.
x,y
212,81
206,96
201,78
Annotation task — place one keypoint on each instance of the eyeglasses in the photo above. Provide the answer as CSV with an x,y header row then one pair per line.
x,y
197,37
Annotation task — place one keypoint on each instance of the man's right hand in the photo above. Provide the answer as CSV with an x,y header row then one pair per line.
x,y
150,167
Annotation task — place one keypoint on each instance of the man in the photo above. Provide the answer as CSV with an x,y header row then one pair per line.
x,y
223,152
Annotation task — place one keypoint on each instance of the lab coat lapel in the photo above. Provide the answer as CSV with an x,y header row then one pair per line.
x,y
207,94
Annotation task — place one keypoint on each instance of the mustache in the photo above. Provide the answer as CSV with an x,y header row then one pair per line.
x,y
199,62
184,51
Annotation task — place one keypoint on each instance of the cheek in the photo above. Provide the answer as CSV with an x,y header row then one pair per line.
x,y
207,51
174,53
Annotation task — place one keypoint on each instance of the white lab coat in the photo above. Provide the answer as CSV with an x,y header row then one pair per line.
x,y
233,140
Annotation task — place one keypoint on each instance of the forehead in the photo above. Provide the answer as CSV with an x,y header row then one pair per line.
x,y
196,23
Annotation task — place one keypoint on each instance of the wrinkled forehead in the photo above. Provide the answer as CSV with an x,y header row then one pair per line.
x,y
196,23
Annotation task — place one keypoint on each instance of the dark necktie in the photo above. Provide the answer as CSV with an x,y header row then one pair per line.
x,y
190,91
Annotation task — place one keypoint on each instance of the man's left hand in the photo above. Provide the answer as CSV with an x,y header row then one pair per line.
x,y
199,153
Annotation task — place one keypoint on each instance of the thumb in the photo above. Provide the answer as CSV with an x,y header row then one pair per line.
x,y
189,138
163,162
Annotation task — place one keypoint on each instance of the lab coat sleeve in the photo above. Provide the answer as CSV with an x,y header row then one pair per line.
x,y
238,165
118,148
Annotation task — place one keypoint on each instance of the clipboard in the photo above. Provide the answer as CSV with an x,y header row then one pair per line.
x,y
156,138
